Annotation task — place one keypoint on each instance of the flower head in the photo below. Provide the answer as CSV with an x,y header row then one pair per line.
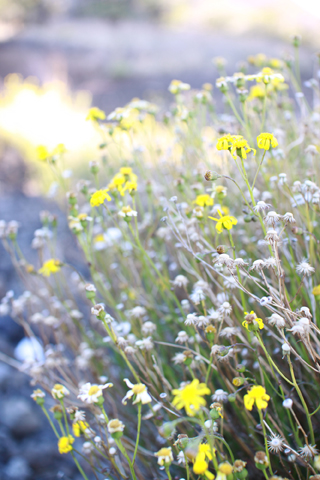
x,y
256,395
316,290
204,200
139,390
164,455
252,322
59,391
127,212
79,427
267,140
191,397
225,221
50,266
89,393
95,114
98,197
240,148
115,426
65,444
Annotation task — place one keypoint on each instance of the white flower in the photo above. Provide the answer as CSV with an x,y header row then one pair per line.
x,y
275,444
271,219
115,425
79,415
181,458
306,312
225,259
191,319
87,448
180,281
225,308
148,328
270,263
89,393
304,268
179,358
164,456
277,320
214,315
138,312
182,337
308,451
272,236
202,321
185,304
287,403
197,296
127,212
228,332
139,390
261,207
59,391
258,265
297,328
145,344
288,218
220,396
239,262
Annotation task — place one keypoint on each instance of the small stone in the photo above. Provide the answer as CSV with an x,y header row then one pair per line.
x,y
17,468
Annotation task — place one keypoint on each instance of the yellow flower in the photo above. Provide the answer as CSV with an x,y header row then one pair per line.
x,y
251,320
95,114
225,142
42,152
59,149
50,266
79,427
240,147
316,290
267,140
191,397
98,197
256,395
225,221
125,170
131,186
204,450
65,444
257,91
224,469
176,86
200,467
165,456
203,200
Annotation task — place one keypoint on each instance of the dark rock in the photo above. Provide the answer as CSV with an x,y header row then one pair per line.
x,y
20,417
17,468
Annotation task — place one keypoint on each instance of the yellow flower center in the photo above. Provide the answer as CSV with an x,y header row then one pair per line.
x,y
139,388
93,390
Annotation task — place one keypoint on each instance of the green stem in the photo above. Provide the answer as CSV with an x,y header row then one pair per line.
x,y
302,401
265,439
124,453
138,433
257,172
79,467
50,421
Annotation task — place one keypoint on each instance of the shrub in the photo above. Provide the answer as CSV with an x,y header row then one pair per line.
x,y
190,341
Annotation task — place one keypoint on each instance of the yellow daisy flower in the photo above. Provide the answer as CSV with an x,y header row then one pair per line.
x,y
225,221
256,395
190,397
50,266
267,140
98,197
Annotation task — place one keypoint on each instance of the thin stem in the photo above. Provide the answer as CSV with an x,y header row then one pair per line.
x,y
79,467
265,439
138,433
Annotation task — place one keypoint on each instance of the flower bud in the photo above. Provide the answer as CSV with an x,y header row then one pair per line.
x,y
90,291
287,403
285,349
238,381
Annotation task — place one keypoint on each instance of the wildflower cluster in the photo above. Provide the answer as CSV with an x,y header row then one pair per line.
x,y
184,342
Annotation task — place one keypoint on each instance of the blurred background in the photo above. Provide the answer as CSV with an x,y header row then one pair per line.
x,y
59,57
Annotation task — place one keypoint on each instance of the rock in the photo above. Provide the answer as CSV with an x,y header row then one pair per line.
x,y
20,417
17,468
5,374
